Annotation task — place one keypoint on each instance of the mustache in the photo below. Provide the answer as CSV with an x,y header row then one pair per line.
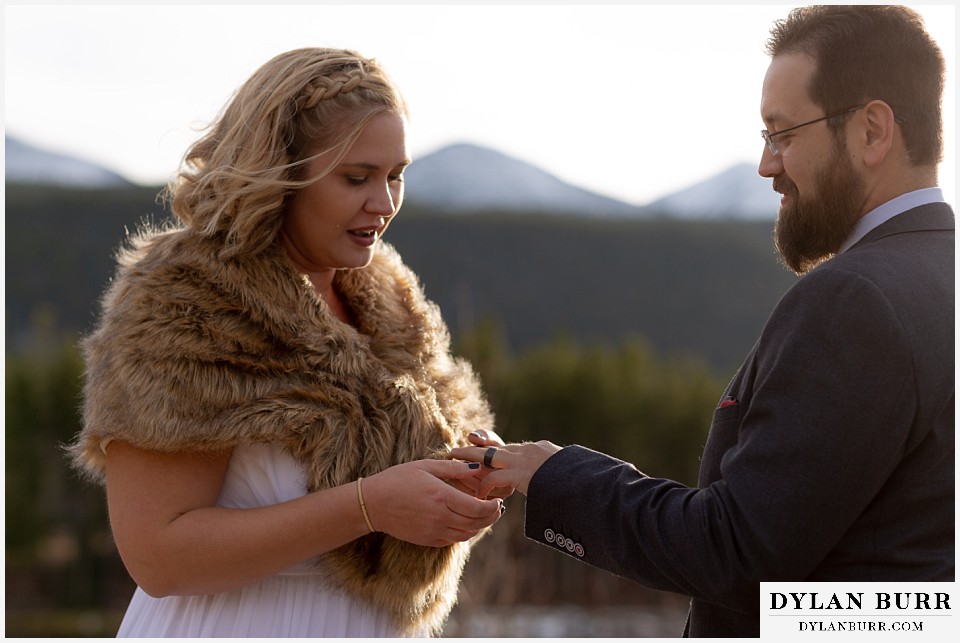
x,y
783,185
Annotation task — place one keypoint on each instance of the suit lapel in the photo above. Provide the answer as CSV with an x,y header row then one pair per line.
x,y
925,218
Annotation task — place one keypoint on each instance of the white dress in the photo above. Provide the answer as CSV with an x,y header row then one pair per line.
x,y
296,603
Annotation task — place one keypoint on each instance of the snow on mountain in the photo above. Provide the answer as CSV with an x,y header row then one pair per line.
x,y
27,164
465,177
736,193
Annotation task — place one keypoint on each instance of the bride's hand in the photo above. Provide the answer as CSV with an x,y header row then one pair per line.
x,y
413,502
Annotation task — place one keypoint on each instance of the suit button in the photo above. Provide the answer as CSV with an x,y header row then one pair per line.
x,y
549,536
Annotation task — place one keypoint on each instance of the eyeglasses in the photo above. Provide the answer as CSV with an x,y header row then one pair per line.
x,y
772,145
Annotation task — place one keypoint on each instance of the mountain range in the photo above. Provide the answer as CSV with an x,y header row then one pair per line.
x,y
464,178
25,163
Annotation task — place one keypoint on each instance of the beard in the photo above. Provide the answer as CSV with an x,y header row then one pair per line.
x,y
810,230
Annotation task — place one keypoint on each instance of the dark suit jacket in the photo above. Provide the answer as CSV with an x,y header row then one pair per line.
x,y
830,456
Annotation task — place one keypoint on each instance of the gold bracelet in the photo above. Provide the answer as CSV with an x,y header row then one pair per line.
x,y
363,507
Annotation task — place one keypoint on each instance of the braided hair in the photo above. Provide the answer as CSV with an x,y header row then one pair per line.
x,y
234,182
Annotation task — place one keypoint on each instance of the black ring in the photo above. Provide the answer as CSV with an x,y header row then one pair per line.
x,y
488,457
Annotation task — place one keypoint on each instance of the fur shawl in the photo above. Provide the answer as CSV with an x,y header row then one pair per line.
x,y
196,352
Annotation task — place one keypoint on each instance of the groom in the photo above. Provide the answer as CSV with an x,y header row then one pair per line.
x,y
831,453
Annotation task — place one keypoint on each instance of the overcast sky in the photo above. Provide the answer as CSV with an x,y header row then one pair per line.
x,y
630,100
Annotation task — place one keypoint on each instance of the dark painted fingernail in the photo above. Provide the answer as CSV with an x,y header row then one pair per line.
x,y
474,465
503,508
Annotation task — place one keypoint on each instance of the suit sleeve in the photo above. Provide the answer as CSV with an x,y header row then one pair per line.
x,y
824,423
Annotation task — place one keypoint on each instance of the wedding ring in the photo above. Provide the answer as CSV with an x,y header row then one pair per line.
x,y
488,457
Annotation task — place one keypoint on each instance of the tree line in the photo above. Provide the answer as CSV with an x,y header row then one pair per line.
x,y
699,287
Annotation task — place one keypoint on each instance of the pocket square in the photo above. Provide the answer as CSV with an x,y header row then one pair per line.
x,y
728,401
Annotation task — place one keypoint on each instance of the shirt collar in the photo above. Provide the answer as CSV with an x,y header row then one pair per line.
x,y
886,211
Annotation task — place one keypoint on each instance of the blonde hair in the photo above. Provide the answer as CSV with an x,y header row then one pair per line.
x,y
234,181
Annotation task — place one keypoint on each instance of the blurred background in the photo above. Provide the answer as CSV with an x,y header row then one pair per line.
x,y
601,250
631,100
